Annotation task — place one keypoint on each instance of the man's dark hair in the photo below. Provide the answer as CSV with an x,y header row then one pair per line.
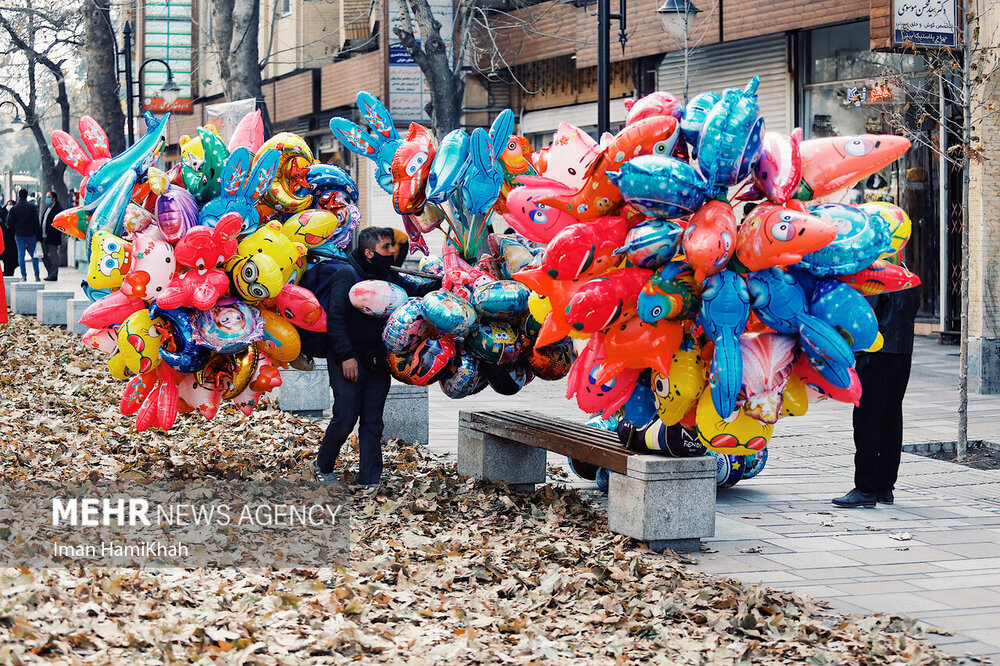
x,y
369,237
22,195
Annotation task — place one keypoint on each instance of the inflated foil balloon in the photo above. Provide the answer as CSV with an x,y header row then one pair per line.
x,y
196,396
377,298
754,464
695,113
604,300
641,405
586,249
660,186
281,341
730,137
710,239
652,244
838,162
657,103
767,367
110,261
569,157
379,144
425,364
728,469
229,326
778,170
773,235
406,327
599,195
152,269
551,362
448,169
593,396
861,239
725,307
528,216
671,293
484,178
176,212
897,221
881,277
139,342
312,228
677,393
179,347
739,434
411,166
845,310
806,370
635,344
503,299
448,313
462,376
494,342
506,379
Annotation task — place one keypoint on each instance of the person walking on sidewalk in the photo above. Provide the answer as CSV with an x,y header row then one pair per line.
x,y
878,418
53,237
359,374
9,245
23,218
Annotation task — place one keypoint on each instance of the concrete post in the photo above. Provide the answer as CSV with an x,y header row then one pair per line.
x,y
51,307
74,310
25,298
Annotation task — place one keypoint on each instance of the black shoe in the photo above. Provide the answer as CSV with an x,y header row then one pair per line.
x,y
885,497
51,279
855,499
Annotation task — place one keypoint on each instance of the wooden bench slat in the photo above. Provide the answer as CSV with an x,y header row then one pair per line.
x,y
573,440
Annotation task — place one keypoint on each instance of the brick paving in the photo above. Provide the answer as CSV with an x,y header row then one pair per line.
x,y
934,555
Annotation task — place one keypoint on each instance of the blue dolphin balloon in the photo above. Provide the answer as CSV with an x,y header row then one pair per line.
x,y
660,186
449,166
725,308
136,159
731,137
483,179
109,215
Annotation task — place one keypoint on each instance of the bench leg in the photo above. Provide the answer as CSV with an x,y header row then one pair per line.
x,y
493,458
673,510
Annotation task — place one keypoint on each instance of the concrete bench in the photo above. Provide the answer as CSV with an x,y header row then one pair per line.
x,y
666,502
8,286
74,310
305,392
25,298
51,307
407,413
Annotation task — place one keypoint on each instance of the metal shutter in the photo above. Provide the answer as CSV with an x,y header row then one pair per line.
x,y
731,65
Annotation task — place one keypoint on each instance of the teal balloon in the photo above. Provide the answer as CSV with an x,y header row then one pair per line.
x,y
661,187
449,166
731,137
462,376
846,310
406,327
694,118
448,313
861,239
503,299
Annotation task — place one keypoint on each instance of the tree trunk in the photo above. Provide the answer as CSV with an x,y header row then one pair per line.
x,y
963,372
102,72
237,23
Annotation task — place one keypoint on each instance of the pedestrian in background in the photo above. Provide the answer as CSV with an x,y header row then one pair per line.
x,y
23,218
53,237
9,247
878,418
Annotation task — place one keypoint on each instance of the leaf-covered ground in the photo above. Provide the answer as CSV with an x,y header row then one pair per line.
x,y
444,569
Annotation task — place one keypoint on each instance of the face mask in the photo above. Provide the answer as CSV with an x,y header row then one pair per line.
x,y
380,263
48,201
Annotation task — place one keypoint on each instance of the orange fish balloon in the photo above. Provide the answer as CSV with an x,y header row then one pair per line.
x,y
838,162
636,344
585,249
881,277
773,235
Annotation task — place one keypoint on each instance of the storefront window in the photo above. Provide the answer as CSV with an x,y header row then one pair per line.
x,y
844,91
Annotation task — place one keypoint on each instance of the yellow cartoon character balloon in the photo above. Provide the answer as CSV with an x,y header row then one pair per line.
x,y
310,227
110,260
897,221
795,398
677,393
740,434
264,262
138,346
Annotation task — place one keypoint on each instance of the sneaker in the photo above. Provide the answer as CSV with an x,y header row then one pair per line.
x,y
328,479
885,497
855,499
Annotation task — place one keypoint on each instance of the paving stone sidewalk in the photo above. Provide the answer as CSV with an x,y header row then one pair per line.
x,y
934,555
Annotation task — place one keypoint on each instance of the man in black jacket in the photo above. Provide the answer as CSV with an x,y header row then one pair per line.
x,y
23,219
9,244
355,356
53,237
878,418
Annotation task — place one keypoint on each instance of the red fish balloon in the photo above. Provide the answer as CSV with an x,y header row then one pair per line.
x,y
710,239
603,300
773,235
411,165
585,249
593,396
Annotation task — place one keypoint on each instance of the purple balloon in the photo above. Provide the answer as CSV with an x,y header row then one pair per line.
x,y
176,212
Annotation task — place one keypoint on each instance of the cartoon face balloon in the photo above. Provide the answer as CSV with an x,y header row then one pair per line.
x,y
671,293
229,326
153,267
861,239
592,396
739,434
773,235
110,260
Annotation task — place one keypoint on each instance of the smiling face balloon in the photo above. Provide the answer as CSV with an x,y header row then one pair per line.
x,y
593,396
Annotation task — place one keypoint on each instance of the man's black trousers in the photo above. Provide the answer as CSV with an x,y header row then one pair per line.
x,y
364,398
878,420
